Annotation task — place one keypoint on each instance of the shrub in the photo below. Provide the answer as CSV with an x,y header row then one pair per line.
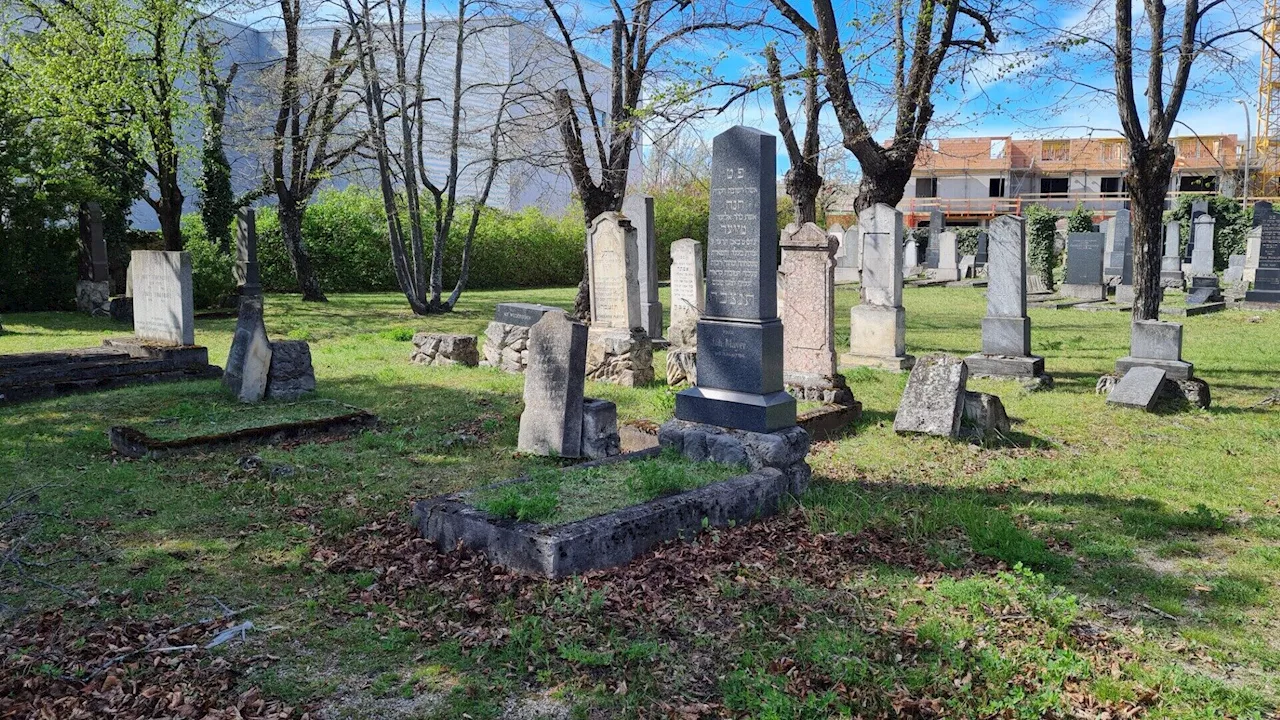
x,y
1080,219
966,241
1041,253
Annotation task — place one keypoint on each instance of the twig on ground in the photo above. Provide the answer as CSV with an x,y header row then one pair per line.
x,y
1159,612
151,645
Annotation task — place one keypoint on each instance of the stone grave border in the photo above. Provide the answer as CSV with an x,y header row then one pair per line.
x,y
603,541
133,443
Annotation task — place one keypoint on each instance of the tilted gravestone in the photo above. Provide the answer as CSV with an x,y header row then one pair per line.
x,y
1171,261
249,361
1084,266
878,325
1118,238
740,339
1266,280
933,401
809,315
639,210
1139,388
551,423
1006,329
163,308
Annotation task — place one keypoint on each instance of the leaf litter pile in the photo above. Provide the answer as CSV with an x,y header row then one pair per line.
x,y
769,618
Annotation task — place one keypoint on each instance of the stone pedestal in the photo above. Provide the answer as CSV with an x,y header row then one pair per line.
x,y
1157,344
506,339
600,437
291,375
740,338
444,349
1090,293
877,338
619,356
784,450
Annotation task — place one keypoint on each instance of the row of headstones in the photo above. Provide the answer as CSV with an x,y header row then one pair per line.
x,y
942,259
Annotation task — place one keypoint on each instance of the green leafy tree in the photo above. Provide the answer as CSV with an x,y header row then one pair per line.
x,y
1040,231
113,71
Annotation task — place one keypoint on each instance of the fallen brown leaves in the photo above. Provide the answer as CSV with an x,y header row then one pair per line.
x,y
51,668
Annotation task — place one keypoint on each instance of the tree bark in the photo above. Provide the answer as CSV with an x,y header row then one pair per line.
x,y
291,232
1150,171
169,210
803,183
886,186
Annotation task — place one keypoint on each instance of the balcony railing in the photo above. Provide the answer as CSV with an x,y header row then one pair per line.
x,y
1099,203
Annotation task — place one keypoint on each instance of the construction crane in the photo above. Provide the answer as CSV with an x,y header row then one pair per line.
x,y
1268,138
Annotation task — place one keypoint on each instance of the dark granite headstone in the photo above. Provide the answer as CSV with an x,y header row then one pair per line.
x,y
1261,211
740,346
1120,230
246,268
933,253
93,248
1084,258
1266,281
522,314
980,257
1139,388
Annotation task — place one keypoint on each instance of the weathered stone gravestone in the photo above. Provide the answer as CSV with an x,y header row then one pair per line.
x,y
93,288
878,325
291,375
249,361
551,423
639,210
1202,255
937,222
1084,267
163,308
848,253
980,256
1117,231
809,316
1139,388
1253,247
910,256
506,339
687,305
1006,329
1266,281
948,267
740,340
1171,262
1234,274
618,347
968,267
1124,288
443,349
1155,343
933,401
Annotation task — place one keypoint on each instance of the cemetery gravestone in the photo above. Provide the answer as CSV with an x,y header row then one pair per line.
x,y
1158,344
249,361
1266,282
948,268
980,257
1117,229
1006,329
878,325
1124,290
933,401
1253,247
1171,261
1202,255
808,316
551,423
93,288
618,347
740,343
1139,388
506,339
848,253
639,210
687,305
163,309
1234,273
1084,266
910,256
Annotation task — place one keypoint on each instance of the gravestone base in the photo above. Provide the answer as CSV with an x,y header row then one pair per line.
x,y
600,437
984,416
1175,369
682,366
783,449
1172,279
1124,294
506,346
1005,367
93,297
121,308
875,338
620,357
1088,293
444,349
1192,390
1262,300
943,275
761,413
829,389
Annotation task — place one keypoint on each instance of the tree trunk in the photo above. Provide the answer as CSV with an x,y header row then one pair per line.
x,y
1148,180
169,213
886,186
803,183
299,258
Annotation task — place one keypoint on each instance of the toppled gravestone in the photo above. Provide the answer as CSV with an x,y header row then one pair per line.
x,y
444,349
934,399
291,375
1137,388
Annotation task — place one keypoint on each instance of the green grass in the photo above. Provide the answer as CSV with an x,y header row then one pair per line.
x,y
555,497
1161,529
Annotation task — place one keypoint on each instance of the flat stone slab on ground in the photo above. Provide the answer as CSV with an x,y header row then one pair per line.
x,y
1139,388
607,540
1004,366
1192,310
133,443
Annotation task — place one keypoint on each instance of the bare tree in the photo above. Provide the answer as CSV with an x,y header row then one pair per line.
x,y
599,141
409,128
803,180
308,138
916,62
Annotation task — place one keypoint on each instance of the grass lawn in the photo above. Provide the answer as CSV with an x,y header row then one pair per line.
x,y
1102,560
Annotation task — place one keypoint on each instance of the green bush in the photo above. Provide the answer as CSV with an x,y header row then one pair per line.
x,y
212,281
966,241
1040,230
1080,219
39,264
